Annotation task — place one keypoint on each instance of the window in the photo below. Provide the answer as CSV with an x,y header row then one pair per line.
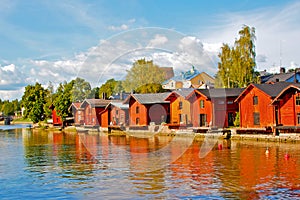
x,y
137,110
180,105
255,100
181,118
297,100
256,118
298,118
220,102
137,121
201,103
117,112
230,102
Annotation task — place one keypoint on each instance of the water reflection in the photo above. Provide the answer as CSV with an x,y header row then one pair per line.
x,y
87,165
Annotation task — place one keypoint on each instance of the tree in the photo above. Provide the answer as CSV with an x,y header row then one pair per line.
x,y
81,90
150,88
50,96
237,64
33,101
110,87
94,93
63,99
143,73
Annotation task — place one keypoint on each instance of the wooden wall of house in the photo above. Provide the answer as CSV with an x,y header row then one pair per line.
x,y
264,108
56,119
91,116
197,80
288,110
196,111
175,111
78,116
141,115
105,118
224,108
158,113
119,116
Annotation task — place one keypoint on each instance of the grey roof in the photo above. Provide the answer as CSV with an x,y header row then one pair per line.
x,y
184,92
221,92
151,98
120,105
96,102
272,89
280,77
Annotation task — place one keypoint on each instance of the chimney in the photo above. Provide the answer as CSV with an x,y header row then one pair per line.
x,y
282,70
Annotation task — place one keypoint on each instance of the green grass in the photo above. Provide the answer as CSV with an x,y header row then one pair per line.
x,y
22,120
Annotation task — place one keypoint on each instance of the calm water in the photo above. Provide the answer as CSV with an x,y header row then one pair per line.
x,y
50,165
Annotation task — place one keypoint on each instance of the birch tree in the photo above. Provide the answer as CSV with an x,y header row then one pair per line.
x,y
237,64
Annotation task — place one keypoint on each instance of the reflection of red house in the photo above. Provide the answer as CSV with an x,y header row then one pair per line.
x,y
256,110
56,120
287,106
78,113
146,108
93,109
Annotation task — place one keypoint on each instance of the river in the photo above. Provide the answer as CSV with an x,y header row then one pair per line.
x,y
54,165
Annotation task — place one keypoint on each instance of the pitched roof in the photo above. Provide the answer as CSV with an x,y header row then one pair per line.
x,y
221,92
96,102
120,105
150,98
184,92
272,89
280,77
295,86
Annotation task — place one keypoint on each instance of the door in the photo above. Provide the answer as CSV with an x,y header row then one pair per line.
x,y
202,120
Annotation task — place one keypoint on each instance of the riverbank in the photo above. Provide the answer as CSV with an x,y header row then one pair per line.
x,y
230,134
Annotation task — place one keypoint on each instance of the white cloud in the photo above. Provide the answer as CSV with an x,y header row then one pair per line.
x,y
273,26
122,27
158,40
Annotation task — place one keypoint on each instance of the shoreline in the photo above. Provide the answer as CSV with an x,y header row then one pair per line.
x,y
282,138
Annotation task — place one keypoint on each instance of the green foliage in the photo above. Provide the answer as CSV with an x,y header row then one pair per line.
x,y
236,122
63,99
81,90
33,101
143,73
94,93
109,88
50,96
237,64
150,88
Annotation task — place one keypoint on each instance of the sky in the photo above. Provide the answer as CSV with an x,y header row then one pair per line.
x,y
59,40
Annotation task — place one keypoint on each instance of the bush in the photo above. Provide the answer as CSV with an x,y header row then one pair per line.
x,y
236,122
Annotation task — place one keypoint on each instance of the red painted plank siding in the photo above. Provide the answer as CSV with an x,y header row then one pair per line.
x,y
135,106
119,116
264,108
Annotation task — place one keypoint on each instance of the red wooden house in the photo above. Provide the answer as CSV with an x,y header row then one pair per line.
x,y
146,108
78,113
215,107
56,120
255,105
180,107
119,113
95,112
287,106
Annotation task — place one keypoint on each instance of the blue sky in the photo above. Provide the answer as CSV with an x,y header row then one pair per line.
x,y
58,40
